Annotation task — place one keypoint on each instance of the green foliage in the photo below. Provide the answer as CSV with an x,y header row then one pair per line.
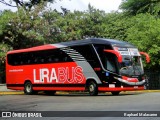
x,y
26,5
134,7
144,33
27,28
14,27
3,50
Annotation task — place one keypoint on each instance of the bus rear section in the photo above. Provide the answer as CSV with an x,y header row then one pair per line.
x,y
46,69
94,65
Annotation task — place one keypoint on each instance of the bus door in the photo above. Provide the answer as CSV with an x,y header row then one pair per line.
x,y
110,63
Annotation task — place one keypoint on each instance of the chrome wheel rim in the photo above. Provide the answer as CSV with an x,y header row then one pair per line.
x,y
28,88
91,88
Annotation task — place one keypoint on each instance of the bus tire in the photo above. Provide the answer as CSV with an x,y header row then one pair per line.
x,y
92,88
115,93
28,88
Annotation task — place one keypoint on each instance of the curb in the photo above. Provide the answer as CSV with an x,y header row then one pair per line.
x,y
2,84
67,93
147,91
11,93
22,93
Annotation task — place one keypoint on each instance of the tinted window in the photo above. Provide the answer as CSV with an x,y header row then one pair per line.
x,y
38,57
109,60
88,53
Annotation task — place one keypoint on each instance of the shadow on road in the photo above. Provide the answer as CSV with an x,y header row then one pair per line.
x,y
79,94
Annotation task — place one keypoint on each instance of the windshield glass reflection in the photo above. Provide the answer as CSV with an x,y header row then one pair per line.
x,y
131,65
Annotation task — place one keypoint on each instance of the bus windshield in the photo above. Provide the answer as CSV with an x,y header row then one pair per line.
x,y
131,66
129,60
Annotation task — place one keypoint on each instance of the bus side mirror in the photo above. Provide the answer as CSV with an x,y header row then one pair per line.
x,y
118,55
146,55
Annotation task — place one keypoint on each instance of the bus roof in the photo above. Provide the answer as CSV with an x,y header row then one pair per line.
x,y
75,43
98,41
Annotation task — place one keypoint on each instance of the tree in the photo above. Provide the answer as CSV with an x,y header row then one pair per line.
x,y
28,28
16,28
115,25
27,5
134,7
144,33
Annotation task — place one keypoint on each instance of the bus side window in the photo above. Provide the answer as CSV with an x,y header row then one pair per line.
x,y
110,65
42,60
15,63
56,59
29,61
21,63
110,62
88,53
49,59
65,59
35,60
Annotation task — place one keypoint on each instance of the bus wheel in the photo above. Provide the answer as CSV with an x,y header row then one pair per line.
x,y
28,90
115,93
93,89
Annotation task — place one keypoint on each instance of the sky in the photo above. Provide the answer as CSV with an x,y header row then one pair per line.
x,y
106,5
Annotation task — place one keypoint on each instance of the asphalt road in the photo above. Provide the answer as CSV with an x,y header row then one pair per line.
x,y
134,101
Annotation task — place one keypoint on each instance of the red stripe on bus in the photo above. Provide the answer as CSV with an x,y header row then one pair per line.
x,y
43,47
120,89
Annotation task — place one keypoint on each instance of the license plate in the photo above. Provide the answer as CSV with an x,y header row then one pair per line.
x,y
111,85
135,87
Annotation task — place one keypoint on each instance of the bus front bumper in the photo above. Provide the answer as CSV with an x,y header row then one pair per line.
x,y
131,83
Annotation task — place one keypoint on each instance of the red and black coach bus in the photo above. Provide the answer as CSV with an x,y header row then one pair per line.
x,y
93,64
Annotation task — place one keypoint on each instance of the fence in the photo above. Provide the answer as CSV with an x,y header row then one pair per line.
x,y
153,80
